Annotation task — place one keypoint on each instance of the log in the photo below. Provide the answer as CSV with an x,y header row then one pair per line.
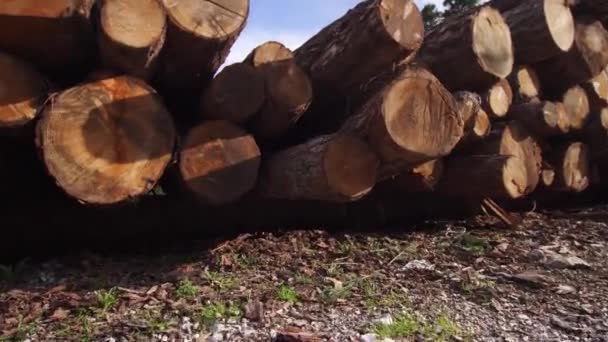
x,y
476,122
469,104
572,169
481,176
288,88
498,99
131,35
107,141
423,178
236,94
512,139
597,89
540,29
577,107
596,136
200,34
219,162
334,168
547,176
525,84
23,92
585,60
471,51
55,37
414,120
542,118
597,7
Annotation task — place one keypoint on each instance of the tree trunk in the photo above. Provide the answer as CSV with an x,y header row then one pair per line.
x,y
336,168
513,139
471,51
236,94
524,84
577,107
476,130
55,36
542,118
423,178
498,99
595,7
540,29
572,169
22,93
288,91
199,37
482,176
414,120
585,60
131,35
108,141
219,162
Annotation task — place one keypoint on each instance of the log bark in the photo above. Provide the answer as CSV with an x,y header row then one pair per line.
x,y
236,94
219,162
525,84
334,168
596,136
56,37
131,35
577,107
572,168
597,89
596,7
200,35
23,92
414,120
108,141
498,99
476,122
471,51
482,176
512,139
585,60
542,118
423,178
288,91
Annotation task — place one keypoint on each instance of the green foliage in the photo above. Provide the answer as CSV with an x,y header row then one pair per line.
x,y
404,325
430,15
433,16
106,300
409,325
186,289
214,311
219,281
472,244
287,294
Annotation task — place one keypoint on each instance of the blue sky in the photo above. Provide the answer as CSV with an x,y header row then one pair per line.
x,y
290,22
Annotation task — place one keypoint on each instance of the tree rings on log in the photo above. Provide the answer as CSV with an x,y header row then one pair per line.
x,y
577,107
571,165
269,52
498,99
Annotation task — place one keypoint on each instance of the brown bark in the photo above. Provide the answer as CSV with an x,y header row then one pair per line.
x,y
595,7
108,141
131,35
524,84
288,91
513,139
199,37
498,99
471,51
482,176
22,93
56,36
422,178
596,136
475,131
414,120
597,89
236,94
335,168
572,169
219,162
542,118
577,107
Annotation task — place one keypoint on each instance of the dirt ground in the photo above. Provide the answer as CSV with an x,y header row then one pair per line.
x,y
473,280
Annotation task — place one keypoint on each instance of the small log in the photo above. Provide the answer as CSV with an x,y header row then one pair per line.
x,y
469,104
577,107
22,93
55,36
414,120
422,178
131,35
476,122
200,34
483,176
288,88
525,84
542,118
572,169
596,136
335,168
547,176
471,51
219,162
498,99
108,141
236,94
597,89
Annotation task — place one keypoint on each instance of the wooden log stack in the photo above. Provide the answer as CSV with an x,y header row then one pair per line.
x,y
119,100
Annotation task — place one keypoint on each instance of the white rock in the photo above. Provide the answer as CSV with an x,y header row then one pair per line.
x,y
384,320
419,265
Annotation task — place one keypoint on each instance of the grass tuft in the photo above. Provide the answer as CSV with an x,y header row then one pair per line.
x,y
186,289
106,300
287,294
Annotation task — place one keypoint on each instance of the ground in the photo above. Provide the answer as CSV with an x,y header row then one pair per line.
x,y
473,280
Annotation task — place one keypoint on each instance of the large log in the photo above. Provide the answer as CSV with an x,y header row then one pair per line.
x,y
525,84
288,88
542,118
107,141
219,162
585,60
335,168
131,35
422,178
576,103
481,176
572,168
498,99
236,94
200,34
471,51
412,121
56,36
22,93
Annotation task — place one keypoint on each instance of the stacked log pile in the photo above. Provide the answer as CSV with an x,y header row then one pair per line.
x,y
123,99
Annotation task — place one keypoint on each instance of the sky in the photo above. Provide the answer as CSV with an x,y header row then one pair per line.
x,y
290,22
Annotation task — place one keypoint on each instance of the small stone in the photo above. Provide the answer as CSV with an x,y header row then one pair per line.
x,y
523,317
368,338
384,320
587,308
536,255
560,323
558,261
565,289
420,265
503,247
254,311
532,279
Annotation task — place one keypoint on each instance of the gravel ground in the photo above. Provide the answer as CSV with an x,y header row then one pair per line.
x,y
470,280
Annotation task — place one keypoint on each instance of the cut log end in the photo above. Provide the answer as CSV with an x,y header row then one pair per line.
x,y
498,99
560,22
514,177
403,22
108,141
525,83
219,162
482,126
269,52
577,107
423,178
543,118
492,43
572,168
218,19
